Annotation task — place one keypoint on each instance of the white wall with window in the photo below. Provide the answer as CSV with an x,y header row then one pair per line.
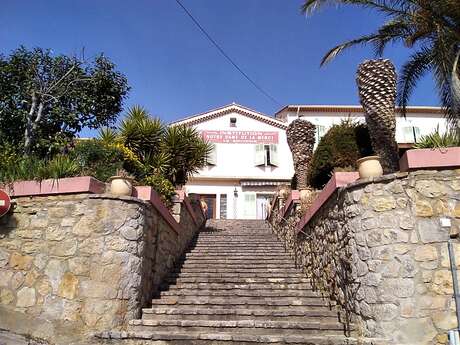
x,y
250,157
419,121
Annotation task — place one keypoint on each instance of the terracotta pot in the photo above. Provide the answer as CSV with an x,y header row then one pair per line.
x,y
121,186
369,167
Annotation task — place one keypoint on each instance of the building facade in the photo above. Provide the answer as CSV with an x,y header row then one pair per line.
x,y
249,160
251,157
419,121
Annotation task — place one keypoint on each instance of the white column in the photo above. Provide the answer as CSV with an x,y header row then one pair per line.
x,y
217,206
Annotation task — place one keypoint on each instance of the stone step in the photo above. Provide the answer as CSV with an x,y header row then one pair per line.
x,y
185,313
241,293
245,286
237,260
261,327
230,245
235,253
236,275
243,266
236,270
191,338
236,280
258,302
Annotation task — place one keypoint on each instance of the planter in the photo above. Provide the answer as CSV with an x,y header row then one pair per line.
x,y
439,158
369,167
121,186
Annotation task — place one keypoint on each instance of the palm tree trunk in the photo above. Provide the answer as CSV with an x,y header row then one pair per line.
x,y
376,81
301,140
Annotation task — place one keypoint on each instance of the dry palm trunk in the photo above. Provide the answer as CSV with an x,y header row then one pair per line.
x,y
377,92
301,139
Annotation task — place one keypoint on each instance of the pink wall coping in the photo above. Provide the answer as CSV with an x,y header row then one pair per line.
x,y
149,194
186,201
88,184
69,185
339,179
294,197
430,158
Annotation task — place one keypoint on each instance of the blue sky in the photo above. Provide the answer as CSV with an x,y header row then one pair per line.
x,y
175,72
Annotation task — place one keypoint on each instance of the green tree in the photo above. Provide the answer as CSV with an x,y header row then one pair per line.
x,y
431,28
46,99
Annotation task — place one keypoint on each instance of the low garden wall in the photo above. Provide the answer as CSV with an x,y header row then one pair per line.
x,y
378,249
71,264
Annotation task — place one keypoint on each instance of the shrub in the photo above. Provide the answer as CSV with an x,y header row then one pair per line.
x,y
340,147
97,159
162,186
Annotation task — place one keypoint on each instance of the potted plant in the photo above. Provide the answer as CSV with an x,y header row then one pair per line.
x,y
122,183
369,167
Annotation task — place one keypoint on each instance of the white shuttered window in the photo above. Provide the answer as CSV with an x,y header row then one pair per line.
x,y
259,156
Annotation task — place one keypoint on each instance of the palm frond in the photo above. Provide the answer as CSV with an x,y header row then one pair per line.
x,y
331,54
419,63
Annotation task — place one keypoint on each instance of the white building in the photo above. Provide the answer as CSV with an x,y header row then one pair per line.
x,y
419,121
251,156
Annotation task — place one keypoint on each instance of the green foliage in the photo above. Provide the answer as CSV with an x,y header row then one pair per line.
x,y
97,159
46,99
162,186
175,152
21,168
430,28
339,148
437,140
188,152
141,133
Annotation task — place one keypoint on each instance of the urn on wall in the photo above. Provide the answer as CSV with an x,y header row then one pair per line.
x,y
369,167
121,184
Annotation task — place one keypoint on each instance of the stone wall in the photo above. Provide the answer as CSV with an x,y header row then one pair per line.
x,y
377,248
73,264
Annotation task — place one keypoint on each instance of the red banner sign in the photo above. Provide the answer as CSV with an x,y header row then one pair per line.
x,y
240,137
5,203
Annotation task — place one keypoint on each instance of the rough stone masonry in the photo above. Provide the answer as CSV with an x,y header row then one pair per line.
x,y
377,248
72,264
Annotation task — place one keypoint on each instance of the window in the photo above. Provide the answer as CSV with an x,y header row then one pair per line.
x,y
249,210
411,134
211,159
266,155
233,122
320,131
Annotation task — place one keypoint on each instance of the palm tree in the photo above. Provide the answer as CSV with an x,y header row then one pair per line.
x,y
430,27
377,92
301,139
188,152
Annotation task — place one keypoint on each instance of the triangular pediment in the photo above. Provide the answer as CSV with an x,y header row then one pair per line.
x,y
228,109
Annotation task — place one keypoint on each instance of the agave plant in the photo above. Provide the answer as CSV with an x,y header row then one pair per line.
x,y
430,27
438,140
376,81
301,140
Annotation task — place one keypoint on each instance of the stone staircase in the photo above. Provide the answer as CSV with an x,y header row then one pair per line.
x,y
236,285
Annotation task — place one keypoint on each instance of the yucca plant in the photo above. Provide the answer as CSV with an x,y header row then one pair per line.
x,y
188,152
141,133
376,81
